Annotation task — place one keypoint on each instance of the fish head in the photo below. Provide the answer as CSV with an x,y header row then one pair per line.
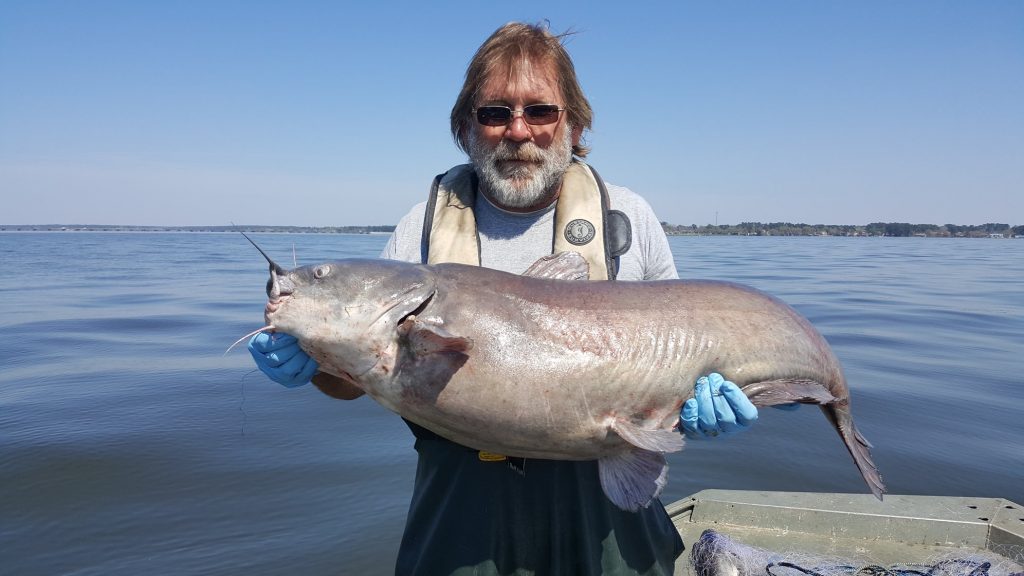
x,y
345,314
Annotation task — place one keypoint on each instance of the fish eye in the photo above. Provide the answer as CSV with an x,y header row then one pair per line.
x,y
321,271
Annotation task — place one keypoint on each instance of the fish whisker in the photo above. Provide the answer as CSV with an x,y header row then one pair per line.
x,y
249,335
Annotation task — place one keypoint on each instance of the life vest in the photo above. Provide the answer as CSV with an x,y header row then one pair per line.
x,y
584,221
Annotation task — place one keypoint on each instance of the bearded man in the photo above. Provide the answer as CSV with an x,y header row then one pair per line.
x,y
525,194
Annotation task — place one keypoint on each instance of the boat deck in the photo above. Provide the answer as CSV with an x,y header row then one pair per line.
x,y
857,527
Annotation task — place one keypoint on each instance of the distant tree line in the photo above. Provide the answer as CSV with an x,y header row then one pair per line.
x,y
873,229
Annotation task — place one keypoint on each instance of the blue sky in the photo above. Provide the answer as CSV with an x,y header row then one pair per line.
x,y
336,113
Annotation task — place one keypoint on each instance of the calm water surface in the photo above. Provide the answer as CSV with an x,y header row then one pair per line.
x,y
130,444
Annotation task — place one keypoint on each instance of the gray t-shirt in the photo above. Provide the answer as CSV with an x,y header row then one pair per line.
x,y
512,242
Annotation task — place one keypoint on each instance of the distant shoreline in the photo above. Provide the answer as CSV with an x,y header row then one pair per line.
x,y
877,229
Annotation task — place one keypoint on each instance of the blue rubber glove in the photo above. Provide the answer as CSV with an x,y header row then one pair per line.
x,y
718,407
279,357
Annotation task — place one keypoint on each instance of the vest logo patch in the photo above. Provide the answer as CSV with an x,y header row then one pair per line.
x,y
579,232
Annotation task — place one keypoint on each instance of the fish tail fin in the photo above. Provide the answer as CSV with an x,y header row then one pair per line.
x,y
837,410
859,447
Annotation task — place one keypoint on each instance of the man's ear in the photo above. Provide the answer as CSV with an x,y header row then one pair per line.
x,y
577,134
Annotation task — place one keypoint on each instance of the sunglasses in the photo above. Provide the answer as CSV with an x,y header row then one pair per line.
x,y
534,114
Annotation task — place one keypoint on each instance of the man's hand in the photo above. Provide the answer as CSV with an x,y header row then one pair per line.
x,y
718,407
279,357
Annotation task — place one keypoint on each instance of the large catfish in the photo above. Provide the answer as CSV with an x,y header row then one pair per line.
x,y
544,366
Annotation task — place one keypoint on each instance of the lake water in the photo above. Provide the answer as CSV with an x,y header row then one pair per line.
x,y
130,444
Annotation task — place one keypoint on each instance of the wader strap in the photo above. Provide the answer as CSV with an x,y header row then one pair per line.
x,y
618,232
428,219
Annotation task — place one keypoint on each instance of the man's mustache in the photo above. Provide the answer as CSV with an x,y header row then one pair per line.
x,y
526,152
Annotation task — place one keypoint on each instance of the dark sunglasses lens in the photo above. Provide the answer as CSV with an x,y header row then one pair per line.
x,y
540,113
493,115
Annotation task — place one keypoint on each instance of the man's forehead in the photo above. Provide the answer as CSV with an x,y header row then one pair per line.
x,y
525,79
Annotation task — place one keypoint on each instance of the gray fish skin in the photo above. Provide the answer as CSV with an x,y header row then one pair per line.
x,y
547,368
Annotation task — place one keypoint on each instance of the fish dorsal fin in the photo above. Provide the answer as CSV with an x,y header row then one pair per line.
x,y
561,266
426,338
632,479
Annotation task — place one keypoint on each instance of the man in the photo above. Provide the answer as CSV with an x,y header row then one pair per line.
x,y
520,117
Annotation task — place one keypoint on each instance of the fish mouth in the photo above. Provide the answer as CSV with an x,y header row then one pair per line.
x,y
273,305
279,291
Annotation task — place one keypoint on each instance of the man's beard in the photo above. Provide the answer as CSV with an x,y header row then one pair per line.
x,y
516,185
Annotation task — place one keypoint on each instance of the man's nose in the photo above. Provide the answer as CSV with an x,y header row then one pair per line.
x,y
518,130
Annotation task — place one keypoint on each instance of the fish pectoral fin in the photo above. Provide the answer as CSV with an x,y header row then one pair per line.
x,y
788,391
652,440
633,479
561,266
426,338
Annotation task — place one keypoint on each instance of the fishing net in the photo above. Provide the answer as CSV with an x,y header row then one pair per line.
x,y
715,554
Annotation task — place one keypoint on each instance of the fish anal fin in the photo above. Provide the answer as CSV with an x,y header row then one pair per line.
x,y
426,338
788,391
561,266
633,479
646,439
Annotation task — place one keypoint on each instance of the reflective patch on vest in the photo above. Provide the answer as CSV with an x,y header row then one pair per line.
x,y
485,456
579,232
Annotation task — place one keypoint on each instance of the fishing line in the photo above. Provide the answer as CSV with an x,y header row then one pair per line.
x,y
241,405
